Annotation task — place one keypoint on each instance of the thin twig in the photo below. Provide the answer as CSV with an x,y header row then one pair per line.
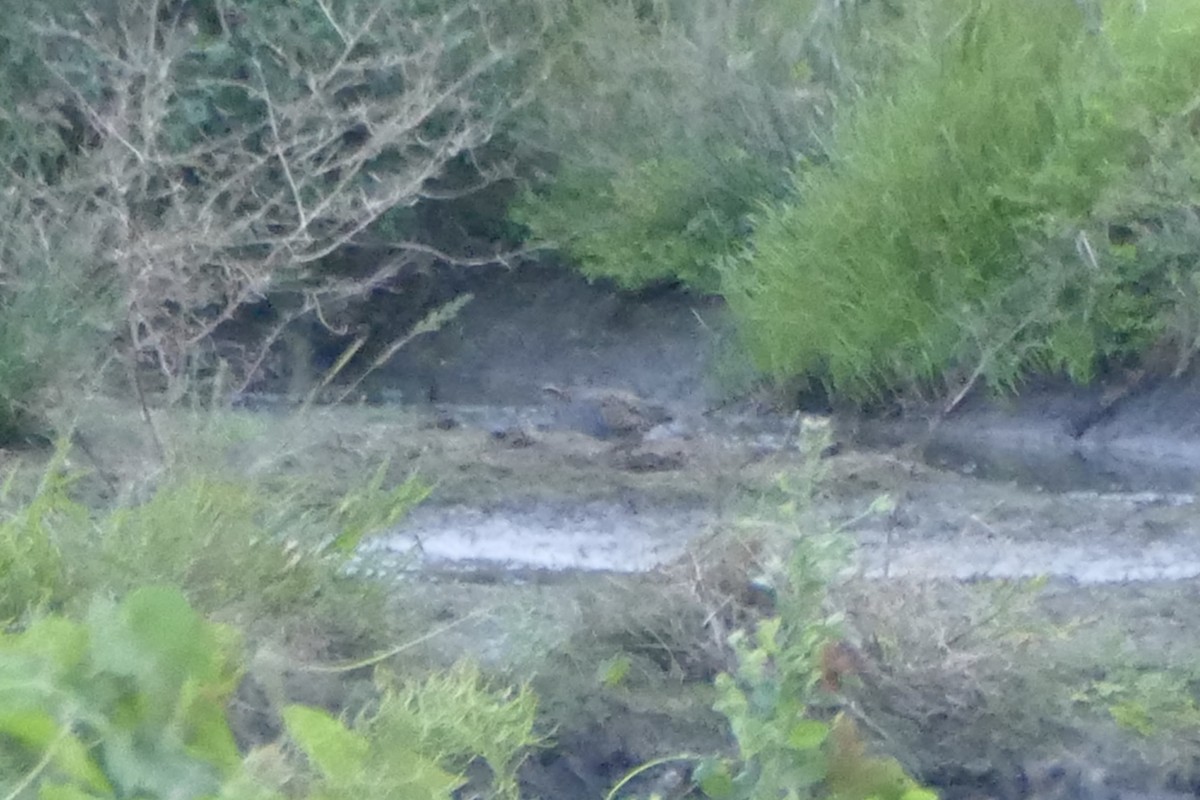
x,y
136,380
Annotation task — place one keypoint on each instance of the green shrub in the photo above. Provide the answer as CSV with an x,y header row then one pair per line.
x,y
780,697
784,698
960,227
53,323
54,314
666,123
246,548
241,547
659,220
459,718
348,764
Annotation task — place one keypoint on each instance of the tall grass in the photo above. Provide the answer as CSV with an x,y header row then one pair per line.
x,y
959,227
266,550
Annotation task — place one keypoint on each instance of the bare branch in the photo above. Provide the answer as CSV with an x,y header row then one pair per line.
x,y
207,188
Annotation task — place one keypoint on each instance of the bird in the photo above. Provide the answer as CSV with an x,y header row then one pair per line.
x,y
609,414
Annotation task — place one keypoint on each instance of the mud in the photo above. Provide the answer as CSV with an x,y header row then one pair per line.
x,y
560,535
1001,491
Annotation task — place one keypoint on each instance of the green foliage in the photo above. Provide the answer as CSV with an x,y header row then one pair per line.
x,y
351,765
778,700
52,323
460,717
128,704
667,123
422,735
245,546
961,222
223,541
53,315
784,749
1149,702
371,508
131,703
261,549
32,568
657,220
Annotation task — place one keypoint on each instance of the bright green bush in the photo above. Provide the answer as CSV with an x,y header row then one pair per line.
x,y
657,220
961,223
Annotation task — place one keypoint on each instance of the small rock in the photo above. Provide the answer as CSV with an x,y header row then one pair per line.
x,y
515,437
660,456
443,422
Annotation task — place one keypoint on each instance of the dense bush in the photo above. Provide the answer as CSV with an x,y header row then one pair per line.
x,y
664,124
167,164
967,224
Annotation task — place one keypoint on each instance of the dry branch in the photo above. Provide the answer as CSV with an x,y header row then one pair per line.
x,y
286,161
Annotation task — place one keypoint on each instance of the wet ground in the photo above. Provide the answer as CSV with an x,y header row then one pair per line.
x,y
583,548
541,541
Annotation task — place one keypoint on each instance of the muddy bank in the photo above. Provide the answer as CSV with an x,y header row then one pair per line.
x,y
584,548
541,325
1134,436
551,554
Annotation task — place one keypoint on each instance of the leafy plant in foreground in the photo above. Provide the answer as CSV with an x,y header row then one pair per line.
x,y
129,703
419,739
776,701
782,699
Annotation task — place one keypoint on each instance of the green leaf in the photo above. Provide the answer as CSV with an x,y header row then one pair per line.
x,y
158,767
65,791
1132,716
417,777
918,793
807,734
372,509
339,754
714,779
38,731
155,638
61,642
613,671
208,734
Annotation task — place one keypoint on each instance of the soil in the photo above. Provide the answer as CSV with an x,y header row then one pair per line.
x,y
1026,594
